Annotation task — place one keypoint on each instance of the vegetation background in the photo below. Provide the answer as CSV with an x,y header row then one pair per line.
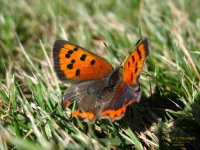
x,y
168,115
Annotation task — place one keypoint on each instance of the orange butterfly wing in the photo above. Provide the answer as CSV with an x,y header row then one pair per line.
x,y
134,63
74,63
129,90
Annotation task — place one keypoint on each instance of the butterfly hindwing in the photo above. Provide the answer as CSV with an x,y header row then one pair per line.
x,y
90,96
124,96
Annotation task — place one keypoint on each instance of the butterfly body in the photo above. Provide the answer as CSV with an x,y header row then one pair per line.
x,y
101,91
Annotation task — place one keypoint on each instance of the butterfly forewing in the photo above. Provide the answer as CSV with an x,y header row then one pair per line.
x,y
134,63
73,62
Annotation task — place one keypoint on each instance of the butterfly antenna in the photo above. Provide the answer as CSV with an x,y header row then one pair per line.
x,y
112,54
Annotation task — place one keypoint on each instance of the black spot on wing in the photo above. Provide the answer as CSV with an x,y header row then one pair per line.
x,y
133,59
70,51
83,57
136,67
70,66
67,55
131,76
75,48
139,53
77,72
92,62
128,64
73,61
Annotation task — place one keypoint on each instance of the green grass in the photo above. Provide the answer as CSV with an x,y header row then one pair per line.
x,y
30,94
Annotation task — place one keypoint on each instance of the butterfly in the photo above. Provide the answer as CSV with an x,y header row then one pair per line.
x,y
100,90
